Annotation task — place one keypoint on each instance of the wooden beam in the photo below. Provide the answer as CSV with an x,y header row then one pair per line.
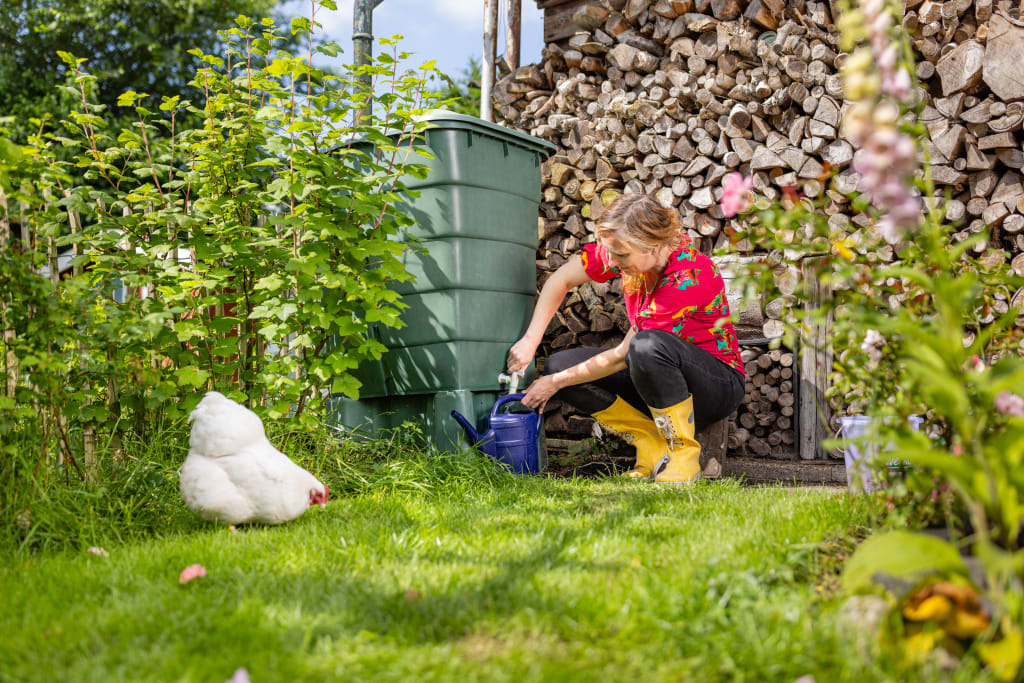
x,y
815,363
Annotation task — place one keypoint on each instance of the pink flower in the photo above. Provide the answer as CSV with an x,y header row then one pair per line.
x,y
888,57
897,84
889,229
98,551
884,162
735,190
1010,404
193,571
241,676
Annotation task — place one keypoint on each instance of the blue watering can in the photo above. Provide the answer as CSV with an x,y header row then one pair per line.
x,y
510,438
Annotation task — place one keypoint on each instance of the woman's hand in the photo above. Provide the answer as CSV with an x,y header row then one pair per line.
x,y
538,393
521,354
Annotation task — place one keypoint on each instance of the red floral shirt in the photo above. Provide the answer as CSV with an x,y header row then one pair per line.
x,y
688,300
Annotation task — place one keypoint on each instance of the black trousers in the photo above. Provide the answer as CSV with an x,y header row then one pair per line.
x,y
661,371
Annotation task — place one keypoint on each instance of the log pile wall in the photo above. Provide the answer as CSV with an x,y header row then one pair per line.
x,y
668,96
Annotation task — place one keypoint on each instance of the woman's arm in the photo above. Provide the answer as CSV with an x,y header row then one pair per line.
x,y
570,274
595,367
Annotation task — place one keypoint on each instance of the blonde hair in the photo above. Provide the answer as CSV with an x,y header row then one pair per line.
x,y
642,223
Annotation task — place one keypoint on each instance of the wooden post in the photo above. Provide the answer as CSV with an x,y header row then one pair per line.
x,y
513,33
815,364
490,55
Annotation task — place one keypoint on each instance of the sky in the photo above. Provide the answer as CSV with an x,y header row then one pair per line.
x,y
450,31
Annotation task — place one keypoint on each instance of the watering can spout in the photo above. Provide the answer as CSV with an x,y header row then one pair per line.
x,y
474,436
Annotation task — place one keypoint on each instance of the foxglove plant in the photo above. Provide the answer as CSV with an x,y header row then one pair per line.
x,y
886,157
972,401
896,318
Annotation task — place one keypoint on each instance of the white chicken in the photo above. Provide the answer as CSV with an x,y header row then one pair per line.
x,y
233,475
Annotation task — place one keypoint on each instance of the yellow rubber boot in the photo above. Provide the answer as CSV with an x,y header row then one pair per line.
x,y
639,431
681,465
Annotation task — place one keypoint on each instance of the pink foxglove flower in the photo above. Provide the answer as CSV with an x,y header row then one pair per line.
x,y
874,80
193,571
735,194
241,676
1010,404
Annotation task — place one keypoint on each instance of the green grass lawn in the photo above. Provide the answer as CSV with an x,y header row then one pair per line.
x,y
477,576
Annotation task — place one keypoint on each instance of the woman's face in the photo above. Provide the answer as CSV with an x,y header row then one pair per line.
x,y
630,260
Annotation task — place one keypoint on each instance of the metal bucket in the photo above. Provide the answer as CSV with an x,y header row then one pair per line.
x,y
862,461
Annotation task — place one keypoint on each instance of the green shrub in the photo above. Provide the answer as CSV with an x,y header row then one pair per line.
x,y
248,254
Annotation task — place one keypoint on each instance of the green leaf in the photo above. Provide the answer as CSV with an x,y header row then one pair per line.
x,y
279,67
330,48
127,99
901,555
69,58
10,153
347,385
192,376
964,471
272,282
279,409
226,348
1004,656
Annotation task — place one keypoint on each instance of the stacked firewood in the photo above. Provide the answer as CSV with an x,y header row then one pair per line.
x,y
668,96
765,424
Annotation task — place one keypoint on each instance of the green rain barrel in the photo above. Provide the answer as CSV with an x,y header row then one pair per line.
x,y
475,282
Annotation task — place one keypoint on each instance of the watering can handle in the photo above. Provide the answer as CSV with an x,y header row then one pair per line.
x,y
507,398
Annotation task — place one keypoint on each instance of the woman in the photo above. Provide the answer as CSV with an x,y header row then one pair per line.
x,y
678,364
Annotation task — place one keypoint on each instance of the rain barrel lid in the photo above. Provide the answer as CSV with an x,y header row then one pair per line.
x,y
442,118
